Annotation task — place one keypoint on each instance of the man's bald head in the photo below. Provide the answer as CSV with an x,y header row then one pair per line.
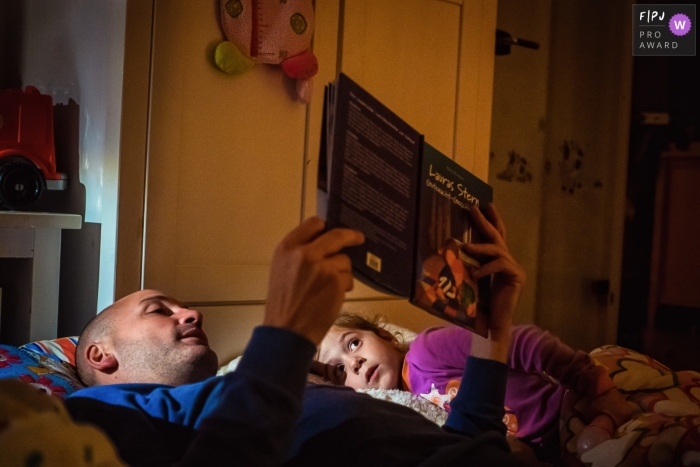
x,y
146,337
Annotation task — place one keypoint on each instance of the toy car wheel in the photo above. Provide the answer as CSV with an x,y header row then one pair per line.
x,y
21,184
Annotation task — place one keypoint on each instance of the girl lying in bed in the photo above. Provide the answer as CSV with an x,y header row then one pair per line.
x,y
361,354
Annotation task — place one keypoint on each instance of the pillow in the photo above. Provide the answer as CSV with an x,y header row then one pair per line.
x,y
229,367
423,406
36,430
62,349
52,376
665,426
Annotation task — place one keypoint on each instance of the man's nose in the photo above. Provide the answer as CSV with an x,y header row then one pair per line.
x,y
354,363
188,316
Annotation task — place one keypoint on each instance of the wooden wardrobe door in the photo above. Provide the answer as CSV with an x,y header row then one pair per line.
x,y
225,163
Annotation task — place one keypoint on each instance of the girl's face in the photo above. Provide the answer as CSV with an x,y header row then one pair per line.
x,y
364,359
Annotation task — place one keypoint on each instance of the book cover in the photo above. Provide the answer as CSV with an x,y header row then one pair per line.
x,y
372,184
443,283
378,176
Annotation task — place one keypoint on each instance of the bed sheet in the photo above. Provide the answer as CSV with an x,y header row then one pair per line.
x,y
665,427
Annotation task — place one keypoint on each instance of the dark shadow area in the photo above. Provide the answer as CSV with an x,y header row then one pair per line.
x,y
15,274
80,274
662,85
11,26
148,441
678,319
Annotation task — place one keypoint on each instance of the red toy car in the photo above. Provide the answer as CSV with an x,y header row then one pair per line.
x,y
27,154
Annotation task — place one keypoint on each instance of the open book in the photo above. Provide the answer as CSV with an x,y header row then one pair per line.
x,y
377,175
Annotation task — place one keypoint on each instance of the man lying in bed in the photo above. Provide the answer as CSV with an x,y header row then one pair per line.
x,y
150,368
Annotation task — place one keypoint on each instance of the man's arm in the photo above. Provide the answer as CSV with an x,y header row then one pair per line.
x,y
478,406
248,416
308,280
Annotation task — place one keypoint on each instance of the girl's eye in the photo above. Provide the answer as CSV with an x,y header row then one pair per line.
x,y
159,311
354,344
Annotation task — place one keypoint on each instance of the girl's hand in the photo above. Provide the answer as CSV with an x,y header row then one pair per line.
x,y
507,283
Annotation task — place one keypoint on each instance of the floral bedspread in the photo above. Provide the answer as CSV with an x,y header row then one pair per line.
x,y
665,428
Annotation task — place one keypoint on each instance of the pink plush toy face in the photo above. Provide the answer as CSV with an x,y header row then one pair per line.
x,y
268,31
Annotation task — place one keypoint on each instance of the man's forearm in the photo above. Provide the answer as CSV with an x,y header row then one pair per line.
x,y
478,406
253,416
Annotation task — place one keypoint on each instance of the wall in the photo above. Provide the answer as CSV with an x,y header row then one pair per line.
x,y
517,135
73,50
669,85
586,147
559,146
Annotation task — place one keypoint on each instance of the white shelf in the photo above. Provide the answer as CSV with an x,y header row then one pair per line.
x,y
15,219
37,235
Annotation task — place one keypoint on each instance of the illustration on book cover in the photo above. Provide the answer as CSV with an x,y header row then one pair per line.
x,y
445,286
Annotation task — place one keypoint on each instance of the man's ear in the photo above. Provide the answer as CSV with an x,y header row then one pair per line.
x,y
99,359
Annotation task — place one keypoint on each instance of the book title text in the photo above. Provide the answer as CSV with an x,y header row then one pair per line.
x,y
447,187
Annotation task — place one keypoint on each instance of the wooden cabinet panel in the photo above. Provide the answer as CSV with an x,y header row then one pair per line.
x,y
229,327
225,162
406,53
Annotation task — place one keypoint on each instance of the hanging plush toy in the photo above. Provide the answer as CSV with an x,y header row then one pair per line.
x,y
276,32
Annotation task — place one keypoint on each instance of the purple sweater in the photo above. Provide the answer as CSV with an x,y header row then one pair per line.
x,y
541,368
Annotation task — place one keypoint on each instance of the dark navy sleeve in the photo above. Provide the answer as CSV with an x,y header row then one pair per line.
x,y
253,422
478,406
